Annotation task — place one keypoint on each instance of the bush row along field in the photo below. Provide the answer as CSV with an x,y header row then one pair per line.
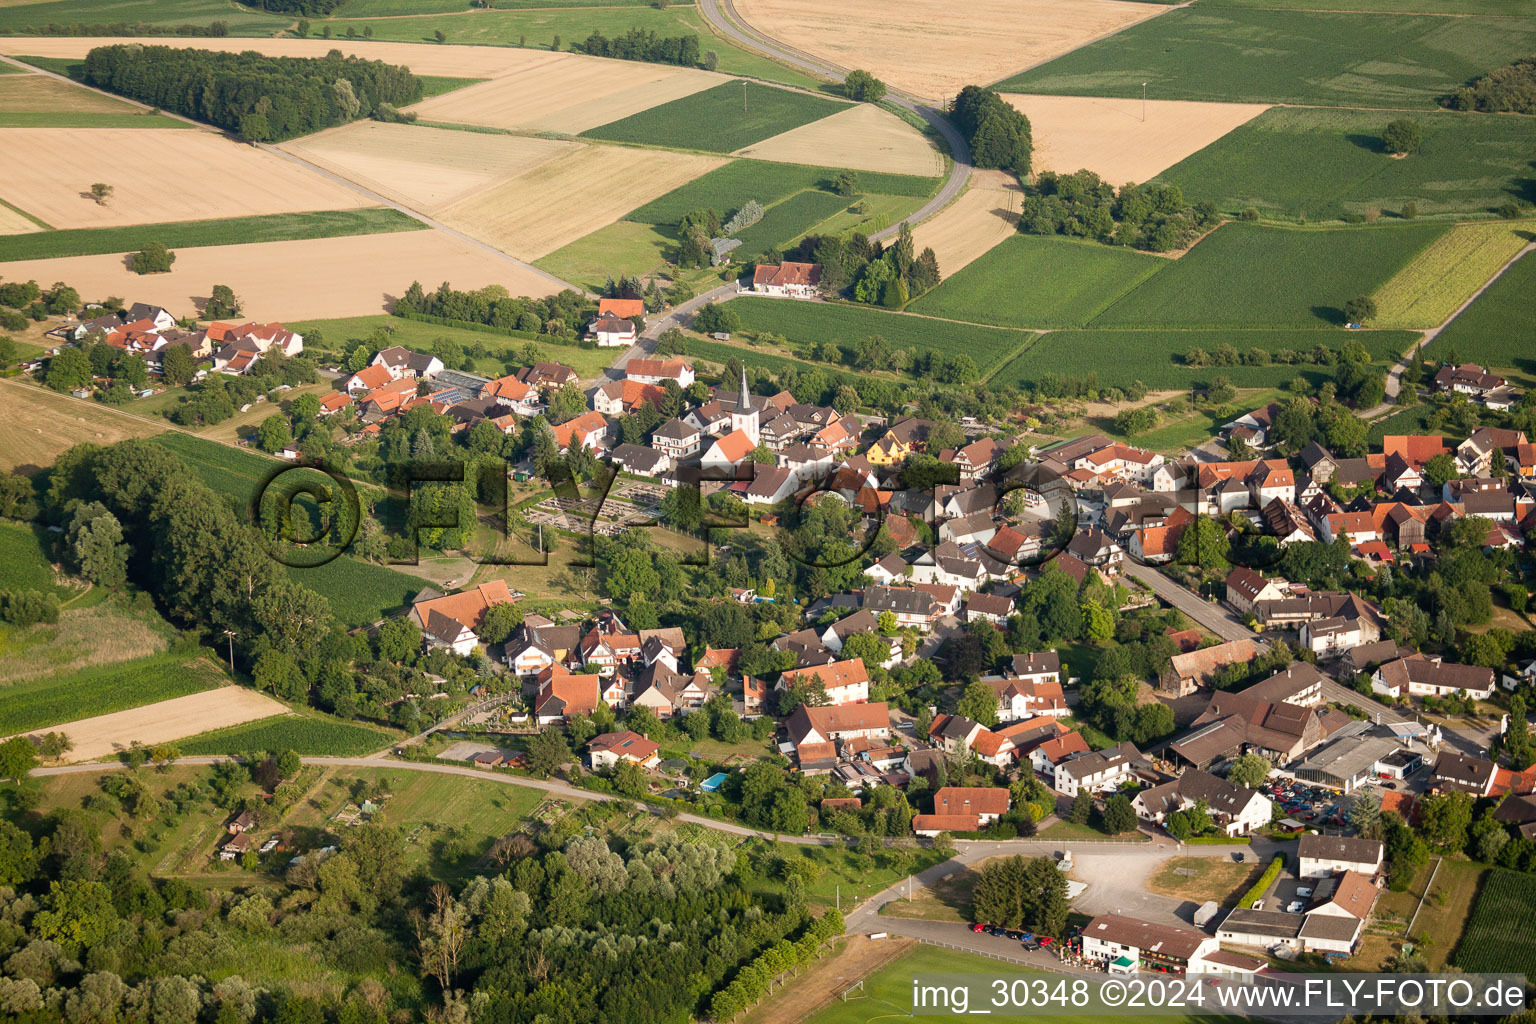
x,y
1270,56
1497,329
1155,357
803,322
719,120
722,352
1248,275
303,734
1447,273
1491,942
278,227
727,188
1035,281
86,693
24,564
786,221
1322,164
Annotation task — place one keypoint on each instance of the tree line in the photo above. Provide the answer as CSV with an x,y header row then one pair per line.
x,y
264,99
1153,216
561,315
646,45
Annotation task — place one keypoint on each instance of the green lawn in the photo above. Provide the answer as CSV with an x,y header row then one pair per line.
x,y
278,227
1269,56
1497,330
1249,275
19,18
100,690
726,189
1154,357
719,120
24,562
1321,164
621,248
788,220
310,733
1034,281
803,322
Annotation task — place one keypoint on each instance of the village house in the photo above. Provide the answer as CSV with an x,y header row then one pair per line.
x,y
1421,675
610,330
1458,772
1322,856
1128,943
548,376
846,682
1246,589
1096,771
1234,809
787,280
659,371
954,734
562,695
621,397
450,621
607,750
911,607
1188,672
400,361
589,430
1466,379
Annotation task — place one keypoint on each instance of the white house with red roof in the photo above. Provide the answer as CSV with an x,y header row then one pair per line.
x,y
728,453
846,682
659,371
612,331
787,279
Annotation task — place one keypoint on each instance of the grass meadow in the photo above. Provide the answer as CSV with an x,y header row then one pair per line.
x,y
388,8
1496,330
1317,164
100,690
788,220
1034,281
1247,275
622,248
279,227
721,352
803,322
719,120
1277,56
1155,357
726,189
308,733
22,17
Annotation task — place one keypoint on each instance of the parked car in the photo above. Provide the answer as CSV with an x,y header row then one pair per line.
x,y
1304,891
978,927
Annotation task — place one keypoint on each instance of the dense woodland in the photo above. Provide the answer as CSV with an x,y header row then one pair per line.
x,y
1153,216
302,8
1510,89
999,135
264,99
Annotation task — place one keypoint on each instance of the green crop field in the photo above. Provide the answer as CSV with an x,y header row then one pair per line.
x,y
24,563
1457,7
436,85
1321,164
786,221
1496,330
1267,56
622,248
1489,943
1155,357
278,227
714,120
35,119
1034,281
388,8
360,592
803,322
233,472
85,693
22,17
1447,273
308,733
726,189
1248,275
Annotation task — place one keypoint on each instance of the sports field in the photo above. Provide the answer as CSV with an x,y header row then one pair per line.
x,y
722,119
1248,275
155,176
1277,56
1123,140
426,168
534,213
38,424
727,188
1447,273
1033,281
862,137
986,214
324,277
1321,164
1496,330
932,48
567,93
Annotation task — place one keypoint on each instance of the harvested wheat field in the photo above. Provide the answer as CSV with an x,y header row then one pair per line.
x,y
567,94
426,168
536,213
42,94
1109,137
37,425
448,61
167,720
986,214
157,175
13,223
933,48
358,275
863,137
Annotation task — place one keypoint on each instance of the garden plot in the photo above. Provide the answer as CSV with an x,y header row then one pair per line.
x,y
568,94
864,138
538,211
168,720
356,275
427,168
933,48
969,227
629,504
156,176
1123,140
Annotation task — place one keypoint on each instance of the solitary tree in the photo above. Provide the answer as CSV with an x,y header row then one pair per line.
x,y
1402,136
864,87
101,192
1360,309
154,258
222,303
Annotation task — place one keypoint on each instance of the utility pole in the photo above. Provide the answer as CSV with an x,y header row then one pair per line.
x,y
743,95
839,893
231,634
1143,102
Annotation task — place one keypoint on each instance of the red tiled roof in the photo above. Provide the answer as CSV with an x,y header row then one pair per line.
x,y
970,800
621,307
1416,449
787,273
735,446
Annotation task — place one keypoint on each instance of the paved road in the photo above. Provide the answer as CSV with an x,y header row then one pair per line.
x,y
1214,617
731,24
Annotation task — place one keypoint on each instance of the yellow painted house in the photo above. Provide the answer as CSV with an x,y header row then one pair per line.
x,y
888,451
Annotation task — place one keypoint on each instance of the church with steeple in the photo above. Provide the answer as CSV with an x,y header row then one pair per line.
x,y
745,416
